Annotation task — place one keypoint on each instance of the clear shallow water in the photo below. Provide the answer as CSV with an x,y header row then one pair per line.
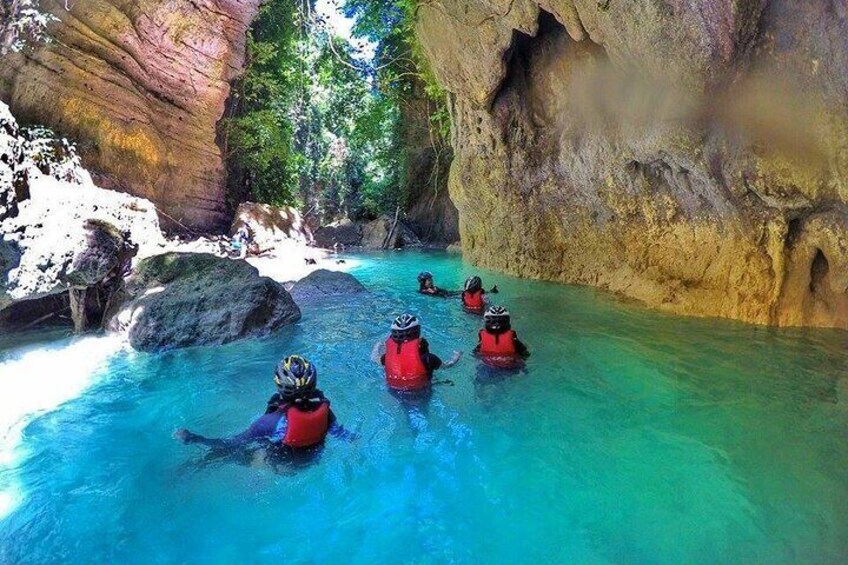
x,y
632,437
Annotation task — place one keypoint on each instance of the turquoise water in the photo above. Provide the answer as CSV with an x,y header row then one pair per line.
x,y
632,437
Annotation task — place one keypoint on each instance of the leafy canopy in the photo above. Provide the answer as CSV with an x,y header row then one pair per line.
x,y
317,124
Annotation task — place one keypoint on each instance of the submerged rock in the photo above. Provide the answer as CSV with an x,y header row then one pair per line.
x,y
186,299
688,154
323,284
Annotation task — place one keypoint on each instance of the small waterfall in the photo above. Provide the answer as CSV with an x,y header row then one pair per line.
x,y
38,379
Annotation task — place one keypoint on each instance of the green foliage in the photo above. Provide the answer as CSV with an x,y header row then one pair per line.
x,y
317,125
260,137
400,62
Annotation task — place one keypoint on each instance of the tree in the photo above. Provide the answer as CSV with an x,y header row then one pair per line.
x,y
316,124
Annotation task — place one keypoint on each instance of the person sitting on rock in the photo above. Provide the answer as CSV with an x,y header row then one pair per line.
x,y
426,286
406,356
498,345
297,417
472,296
242,240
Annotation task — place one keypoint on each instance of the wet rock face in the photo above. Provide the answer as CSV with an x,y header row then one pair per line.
x,y
693,155
430,213
186,299
140,86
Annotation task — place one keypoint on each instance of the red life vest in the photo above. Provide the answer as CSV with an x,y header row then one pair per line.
x,y
499,350
306,429
473,300
404,368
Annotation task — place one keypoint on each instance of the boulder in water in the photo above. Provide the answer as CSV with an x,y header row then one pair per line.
x,y
187,299
343,232
271,225
323,283
382,233
385,233
96,273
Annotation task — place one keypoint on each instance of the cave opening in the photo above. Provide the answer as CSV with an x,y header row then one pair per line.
x,y
521,51
793,230
818,272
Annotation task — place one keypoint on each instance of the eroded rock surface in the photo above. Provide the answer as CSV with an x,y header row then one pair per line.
x,y
96,273
186,299
430,211
693,155
141,87
14,180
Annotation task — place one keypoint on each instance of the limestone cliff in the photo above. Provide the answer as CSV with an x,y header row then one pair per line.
x,y
140,85
693,155
429,211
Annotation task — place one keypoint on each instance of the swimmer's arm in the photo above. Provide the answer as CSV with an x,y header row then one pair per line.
x,y
338,431
523,352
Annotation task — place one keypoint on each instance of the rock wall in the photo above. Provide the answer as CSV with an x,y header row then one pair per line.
x,y
140,86
692,155
429,210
